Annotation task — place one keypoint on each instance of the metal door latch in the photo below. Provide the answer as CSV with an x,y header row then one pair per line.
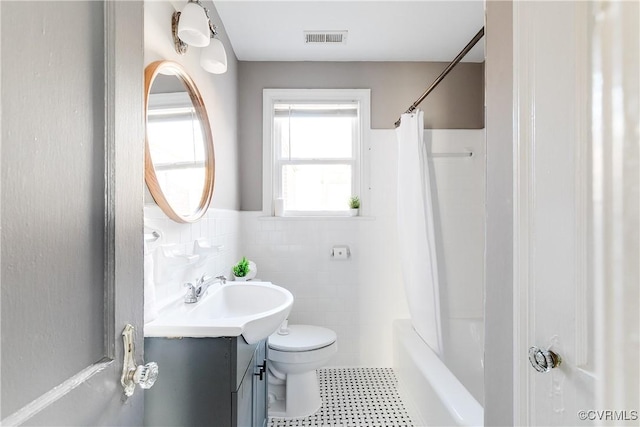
x,y
143,375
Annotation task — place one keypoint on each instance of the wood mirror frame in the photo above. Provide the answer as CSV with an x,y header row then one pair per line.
x,y
151,178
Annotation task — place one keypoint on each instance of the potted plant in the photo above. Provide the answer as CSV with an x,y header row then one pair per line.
x,y
241,269
244,270
354,205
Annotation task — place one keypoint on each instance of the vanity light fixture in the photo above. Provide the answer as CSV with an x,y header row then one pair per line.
x,y
192,27
213,58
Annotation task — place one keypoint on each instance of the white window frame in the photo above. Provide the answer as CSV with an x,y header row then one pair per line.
x,y
270,178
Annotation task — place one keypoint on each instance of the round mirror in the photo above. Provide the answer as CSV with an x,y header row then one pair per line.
x,y
179,160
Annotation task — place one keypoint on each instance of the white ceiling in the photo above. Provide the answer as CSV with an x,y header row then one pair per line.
x,y
422,30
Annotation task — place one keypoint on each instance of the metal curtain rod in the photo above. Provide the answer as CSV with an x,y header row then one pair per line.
x,y
446,71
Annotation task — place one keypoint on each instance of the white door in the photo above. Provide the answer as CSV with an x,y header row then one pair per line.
x,y
557,292
71,217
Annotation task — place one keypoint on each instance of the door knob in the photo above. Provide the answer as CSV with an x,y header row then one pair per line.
x,y
543,360
143,375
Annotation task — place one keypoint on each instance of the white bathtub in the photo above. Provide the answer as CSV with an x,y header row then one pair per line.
x,y
434,395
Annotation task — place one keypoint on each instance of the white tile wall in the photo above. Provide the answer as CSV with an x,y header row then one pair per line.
x,y
218,226
342,295
460,220
359,297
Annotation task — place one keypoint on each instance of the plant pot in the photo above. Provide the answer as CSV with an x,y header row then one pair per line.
x,y
353,212
253,270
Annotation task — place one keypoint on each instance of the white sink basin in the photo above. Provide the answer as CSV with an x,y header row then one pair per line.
x,y
251,309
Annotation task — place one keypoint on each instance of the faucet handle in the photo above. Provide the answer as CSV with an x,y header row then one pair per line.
x,y
222,279
190,297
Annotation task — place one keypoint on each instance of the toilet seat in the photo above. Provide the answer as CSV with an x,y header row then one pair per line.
x,y
302,338
299,358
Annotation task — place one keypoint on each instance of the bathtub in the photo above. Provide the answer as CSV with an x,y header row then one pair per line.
x,y
434,396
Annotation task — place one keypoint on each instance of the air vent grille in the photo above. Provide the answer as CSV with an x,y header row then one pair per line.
x,y
325,37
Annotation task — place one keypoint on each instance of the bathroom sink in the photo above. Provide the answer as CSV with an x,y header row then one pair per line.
x,y
251,309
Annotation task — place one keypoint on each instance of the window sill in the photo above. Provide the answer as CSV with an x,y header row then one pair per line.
x,y
316,218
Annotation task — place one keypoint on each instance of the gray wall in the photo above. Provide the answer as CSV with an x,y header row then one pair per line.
x,y
219,92
457,103
498,359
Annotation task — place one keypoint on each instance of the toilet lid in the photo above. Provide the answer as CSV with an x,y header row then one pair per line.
x,y
302,338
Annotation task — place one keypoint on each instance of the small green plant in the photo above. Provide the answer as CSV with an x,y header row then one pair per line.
x,y
241,269
354,202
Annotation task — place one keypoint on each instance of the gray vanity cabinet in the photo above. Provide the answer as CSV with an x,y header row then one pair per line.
x,y
216,382
260,386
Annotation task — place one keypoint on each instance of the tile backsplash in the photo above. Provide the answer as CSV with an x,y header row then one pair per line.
x,y
357,297
220,228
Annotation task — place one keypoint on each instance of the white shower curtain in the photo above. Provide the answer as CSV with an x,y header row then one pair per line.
x,y
416,234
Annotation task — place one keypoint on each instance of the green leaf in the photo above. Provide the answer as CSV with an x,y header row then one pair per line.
x,y
241,269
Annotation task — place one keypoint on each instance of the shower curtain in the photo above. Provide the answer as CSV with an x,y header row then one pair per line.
x,y
418,258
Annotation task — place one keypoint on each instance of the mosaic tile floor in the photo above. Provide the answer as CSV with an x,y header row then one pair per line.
x,y
355,397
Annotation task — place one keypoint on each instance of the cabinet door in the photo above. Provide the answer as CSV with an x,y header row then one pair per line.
x,y
195,386
260,385
242,399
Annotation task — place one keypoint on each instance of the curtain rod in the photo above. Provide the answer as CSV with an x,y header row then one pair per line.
x,y
446,71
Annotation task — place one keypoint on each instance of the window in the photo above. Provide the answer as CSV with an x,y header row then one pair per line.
x,y
312,149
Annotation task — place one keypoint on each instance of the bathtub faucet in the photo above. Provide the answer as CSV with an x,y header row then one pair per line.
x,y
197,291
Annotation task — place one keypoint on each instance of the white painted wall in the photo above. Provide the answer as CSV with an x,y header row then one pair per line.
x,y
360,297
219,92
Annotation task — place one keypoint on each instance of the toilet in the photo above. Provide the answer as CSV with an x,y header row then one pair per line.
x,y
295,352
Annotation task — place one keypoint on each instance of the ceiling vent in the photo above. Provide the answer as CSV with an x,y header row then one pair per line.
x,y
325,37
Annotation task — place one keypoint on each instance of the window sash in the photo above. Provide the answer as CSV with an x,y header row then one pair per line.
x,y
355,137
280,162
324,192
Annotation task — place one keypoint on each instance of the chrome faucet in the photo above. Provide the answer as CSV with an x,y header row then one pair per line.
x,y
197,291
